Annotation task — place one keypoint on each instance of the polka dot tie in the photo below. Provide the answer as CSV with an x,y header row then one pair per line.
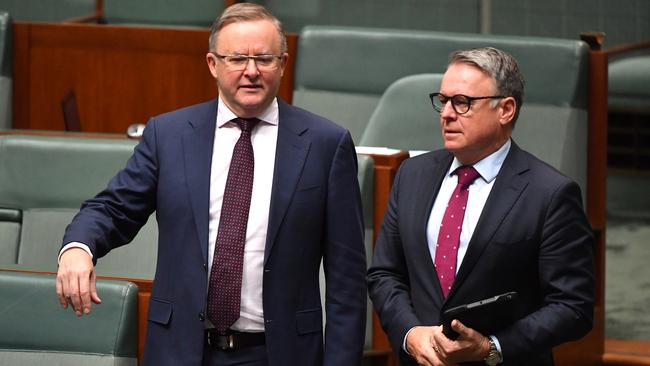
x,y
449,234
224,292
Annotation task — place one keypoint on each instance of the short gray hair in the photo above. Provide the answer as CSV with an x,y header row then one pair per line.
x,y
500,66
245,12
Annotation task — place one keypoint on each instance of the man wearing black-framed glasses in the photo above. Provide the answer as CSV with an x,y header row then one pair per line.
x,y
481,218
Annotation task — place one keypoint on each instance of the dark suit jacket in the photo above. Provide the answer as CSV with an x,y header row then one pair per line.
x,y
532,237
315,213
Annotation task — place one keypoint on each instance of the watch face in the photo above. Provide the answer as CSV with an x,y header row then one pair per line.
x,y
493,358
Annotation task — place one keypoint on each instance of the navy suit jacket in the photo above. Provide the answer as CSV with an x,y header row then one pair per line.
x,y
532,237
315,213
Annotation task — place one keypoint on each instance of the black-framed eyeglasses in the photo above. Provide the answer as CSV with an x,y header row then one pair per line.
x,y
239,62
461,103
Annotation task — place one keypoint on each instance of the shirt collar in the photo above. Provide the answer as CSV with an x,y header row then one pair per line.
x,y
225,115
489,166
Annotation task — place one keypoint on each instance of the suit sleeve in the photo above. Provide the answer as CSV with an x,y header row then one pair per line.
x,y
114,217
566,275
388,278
344,261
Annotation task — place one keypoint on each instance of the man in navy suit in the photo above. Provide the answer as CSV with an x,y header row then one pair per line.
x,y
305,207
521,228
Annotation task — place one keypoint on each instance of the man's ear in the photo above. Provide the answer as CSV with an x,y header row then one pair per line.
x,y
212,64
507,109
283,63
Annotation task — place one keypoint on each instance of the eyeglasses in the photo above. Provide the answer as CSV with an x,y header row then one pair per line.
x,y
239,62
461,103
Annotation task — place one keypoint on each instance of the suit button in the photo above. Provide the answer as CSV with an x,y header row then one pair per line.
x,y
205,266
201,316
267,270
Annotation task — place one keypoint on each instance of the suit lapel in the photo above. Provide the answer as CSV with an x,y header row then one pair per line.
x,y
508,187
429,185
198,143
291,153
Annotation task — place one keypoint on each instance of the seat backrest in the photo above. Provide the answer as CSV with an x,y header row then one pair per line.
x,y
346,82
5,71
44,180
629,83
404,118
47,10
197,13
35,330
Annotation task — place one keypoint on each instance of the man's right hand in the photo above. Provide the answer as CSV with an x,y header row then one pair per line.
x,y
76,281
421,345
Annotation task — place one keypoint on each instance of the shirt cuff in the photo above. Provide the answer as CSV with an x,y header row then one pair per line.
x,y
74,244
404,341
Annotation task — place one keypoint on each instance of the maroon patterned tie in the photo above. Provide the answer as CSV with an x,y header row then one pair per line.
x,y
449,234
224,292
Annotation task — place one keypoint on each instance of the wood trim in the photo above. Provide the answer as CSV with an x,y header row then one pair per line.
x,y
385,169
630,47
625,352
286,87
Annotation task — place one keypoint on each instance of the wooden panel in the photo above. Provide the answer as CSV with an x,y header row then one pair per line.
x,y
385,170
619,352
120,75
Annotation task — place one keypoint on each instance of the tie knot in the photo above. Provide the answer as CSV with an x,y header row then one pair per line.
x,y
466,175
246,124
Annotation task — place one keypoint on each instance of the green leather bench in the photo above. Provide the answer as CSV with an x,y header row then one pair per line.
x,y
43,181
341,72
5,70
35,330
47,10
194,13
629,84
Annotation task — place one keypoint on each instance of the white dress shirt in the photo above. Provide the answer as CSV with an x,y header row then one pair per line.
x,y
264,138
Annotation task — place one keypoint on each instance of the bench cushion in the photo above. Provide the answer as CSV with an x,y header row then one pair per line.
x,y
38,329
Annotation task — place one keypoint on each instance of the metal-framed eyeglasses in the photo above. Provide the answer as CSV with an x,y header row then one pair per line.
x,y
239,62
461,103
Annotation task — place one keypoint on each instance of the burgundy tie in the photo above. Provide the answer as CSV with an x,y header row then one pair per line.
x,y
224,292
449,234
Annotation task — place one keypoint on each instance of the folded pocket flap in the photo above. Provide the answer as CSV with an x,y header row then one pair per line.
x,y
160,311
309,321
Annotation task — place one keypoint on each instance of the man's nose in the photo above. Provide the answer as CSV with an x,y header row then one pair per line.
x,y
448,110
251,69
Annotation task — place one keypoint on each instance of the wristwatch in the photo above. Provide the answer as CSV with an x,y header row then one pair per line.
x,y
494,356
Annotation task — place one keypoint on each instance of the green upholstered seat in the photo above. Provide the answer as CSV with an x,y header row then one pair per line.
x,y
35,330
47,10
5,70
341,72
629,84
404,118
43,181
197,13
